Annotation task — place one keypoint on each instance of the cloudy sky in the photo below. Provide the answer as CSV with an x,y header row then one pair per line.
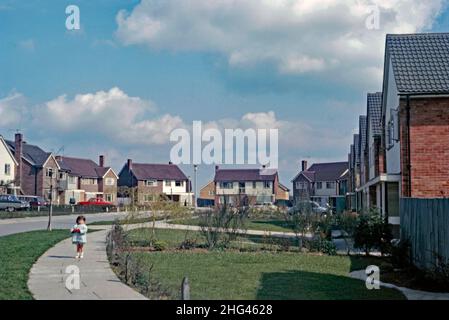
x,y
136,70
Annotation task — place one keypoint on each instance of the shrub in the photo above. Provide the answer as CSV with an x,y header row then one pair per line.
x,y
321,245
284,244
188,244
159,245
400,254
219,227
372,232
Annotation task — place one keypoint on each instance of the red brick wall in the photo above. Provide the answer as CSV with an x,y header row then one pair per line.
x,y
143,190
429,147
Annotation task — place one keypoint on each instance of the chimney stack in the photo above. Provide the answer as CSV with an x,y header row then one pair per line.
x,y
101,161
304,165
130,164
18,152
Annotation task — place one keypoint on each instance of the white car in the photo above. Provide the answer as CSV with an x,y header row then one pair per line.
x,y
314,206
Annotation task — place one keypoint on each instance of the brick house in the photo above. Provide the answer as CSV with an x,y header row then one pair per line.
x,y
375,178
8,165
36,171
325,183
246,186
415,111
207,195
83,179
150,182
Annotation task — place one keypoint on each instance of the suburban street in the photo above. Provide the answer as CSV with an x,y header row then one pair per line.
x,y
11,226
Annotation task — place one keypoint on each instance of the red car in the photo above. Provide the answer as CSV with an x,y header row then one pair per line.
x,y
96,202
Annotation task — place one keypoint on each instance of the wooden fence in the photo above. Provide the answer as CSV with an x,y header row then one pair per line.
x,y
425,224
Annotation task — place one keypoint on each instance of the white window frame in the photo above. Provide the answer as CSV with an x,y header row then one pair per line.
x,y
151,183
7,169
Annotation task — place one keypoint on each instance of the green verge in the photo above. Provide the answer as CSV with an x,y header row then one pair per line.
x,y
18,253
230,274
276,225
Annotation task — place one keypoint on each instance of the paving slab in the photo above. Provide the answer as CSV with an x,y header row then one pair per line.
x,y
48,276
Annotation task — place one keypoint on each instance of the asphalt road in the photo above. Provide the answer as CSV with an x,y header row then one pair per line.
x,y
17,225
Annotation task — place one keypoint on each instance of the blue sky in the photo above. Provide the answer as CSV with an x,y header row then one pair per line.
x,y
305,71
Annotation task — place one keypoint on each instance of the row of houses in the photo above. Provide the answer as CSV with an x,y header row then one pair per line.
x,y
27,169
401,149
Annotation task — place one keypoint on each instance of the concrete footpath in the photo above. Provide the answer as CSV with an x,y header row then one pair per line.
x,y
48,276
409,293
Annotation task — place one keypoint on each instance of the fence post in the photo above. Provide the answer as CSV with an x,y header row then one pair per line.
x,y
185,289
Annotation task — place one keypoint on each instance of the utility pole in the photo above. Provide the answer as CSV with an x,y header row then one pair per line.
x,y
50,212
195,169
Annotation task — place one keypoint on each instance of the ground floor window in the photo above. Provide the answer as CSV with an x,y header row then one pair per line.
x,y
109,197
149,197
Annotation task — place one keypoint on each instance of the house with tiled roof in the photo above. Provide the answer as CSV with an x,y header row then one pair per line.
x,y
8,165
325,183
149,182
246,186
362,147
373,167
83,179
415,115
36,171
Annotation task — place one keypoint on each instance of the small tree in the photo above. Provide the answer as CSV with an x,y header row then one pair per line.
x,y
300,218
222,225
372,232
348,222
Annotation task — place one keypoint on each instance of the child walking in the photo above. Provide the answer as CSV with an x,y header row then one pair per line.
x,y
79,237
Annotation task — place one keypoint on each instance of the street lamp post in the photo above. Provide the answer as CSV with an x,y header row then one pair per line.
x,y
195,169
50,210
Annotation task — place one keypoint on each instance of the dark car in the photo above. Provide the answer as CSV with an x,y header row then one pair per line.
x,y
12,203
38,202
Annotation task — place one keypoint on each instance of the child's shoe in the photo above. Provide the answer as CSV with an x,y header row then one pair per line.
x,y
82,255
77,256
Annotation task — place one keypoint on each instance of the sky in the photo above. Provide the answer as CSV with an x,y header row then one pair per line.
x,y
136,70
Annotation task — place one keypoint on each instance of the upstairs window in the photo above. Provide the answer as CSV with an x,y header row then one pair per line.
x,y
178,183
49,172
267,184
151,183
168,183
319,185
110,181
330,185
7,169
226,185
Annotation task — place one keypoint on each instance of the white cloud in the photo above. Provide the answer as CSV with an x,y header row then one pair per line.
x,y
112,114
12,109
296,36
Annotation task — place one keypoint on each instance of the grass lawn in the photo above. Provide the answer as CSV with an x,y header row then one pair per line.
x,y
255,275
18,252
277,225
125,221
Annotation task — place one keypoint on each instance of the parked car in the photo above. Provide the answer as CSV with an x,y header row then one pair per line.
x,y
96,202
313,206
34,201
12,203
